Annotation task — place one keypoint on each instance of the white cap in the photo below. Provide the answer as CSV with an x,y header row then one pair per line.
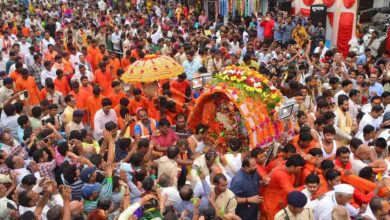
x,y
344,188
326,86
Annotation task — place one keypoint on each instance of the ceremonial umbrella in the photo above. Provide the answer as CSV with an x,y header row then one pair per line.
x,y
152,68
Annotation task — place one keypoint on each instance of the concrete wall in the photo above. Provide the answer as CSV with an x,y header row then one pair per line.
x,y
380,3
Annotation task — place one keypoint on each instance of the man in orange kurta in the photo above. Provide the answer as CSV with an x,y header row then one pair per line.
x,y
101,54
281,157
85,87
93,51
27,82
137,102
312,166
26,31
179,87
61,83
304,142
114,64
94,103
80,96
127,60
50,54
103,78
116,94
281,183
15,75
68,69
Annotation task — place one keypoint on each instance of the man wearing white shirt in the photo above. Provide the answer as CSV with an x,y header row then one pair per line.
x,y
18,166
116,39
83,62
234,45
168,188
198,190
374,43
3,62
386,101
13,66
321,49
82,72
376,100
32,200
156,35
29,58
341,195
6,44
47,72
346,88
46,41
102,5
157,10
24,46
104,115
74,57
127,43
367,135
353,107
373,118
312,185
233,160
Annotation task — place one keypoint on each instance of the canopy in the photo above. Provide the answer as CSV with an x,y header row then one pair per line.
x,y
152,68
253,96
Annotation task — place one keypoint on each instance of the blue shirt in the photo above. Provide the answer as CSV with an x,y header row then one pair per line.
x,y
190,68
287,31
245,185
278,33
362,59
377,87
20,134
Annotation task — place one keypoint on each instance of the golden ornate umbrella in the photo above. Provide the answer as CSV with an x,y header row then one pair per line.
x,y
152,68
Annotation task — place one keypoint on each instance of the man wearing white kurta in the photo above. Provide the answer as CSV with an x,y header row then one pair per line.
x,y
341,195
373,118
233,163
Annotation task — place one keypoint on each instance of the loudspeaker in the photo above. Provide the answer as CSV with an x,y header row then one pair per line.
x,y
318,13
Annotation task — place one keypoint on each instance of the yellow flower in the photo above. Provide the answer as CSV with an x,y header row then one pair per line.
x,y
233,78
274,96
249,88
258,90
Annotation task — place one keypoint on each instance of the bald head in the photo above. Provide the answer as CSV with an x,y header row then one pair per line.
x,y
77,208
363,152
186,193
340,213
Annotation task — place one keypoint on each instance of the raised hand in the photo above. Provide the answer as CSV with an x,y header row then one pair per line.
x,y
65,192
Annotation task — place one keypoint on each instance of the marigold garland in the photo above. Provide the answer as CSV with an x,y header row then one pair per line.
x,y
253,83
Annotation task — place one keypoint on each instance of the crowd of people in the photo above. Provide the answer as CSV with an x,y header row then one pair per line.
x,y
76,142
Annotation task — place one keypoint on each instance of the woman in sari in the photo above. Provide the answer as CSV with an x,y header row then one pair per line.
x,y
299,34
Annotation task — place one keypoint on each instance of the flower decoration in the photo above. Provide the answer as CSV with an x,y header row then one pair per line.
x,y
253,83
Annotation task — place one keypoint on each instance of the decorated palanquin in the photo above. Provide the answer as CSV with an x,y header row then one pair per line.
x,y
239,102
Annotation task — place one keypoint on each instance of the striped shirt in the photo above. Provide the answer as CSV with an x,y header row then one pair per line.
x,y
105,192
46,169
76,188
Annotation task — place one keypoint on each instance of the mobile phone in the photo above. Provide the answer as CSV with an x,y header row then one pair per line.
x,y
43,122
22,95
25,93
